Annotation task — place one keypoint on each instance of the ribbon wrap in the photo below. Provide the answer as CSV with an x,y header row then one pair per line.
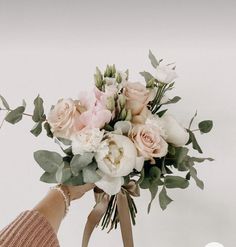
x,y
102,200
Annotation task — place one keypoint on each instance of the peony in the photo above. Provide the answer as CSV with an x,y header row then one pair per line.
x,y
64,118
116,158
165,74
148,141
96,114
137,97
175,133
87,140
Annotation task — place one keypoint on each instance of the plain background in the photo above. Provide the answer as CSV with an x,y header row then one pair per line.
x,y
52,48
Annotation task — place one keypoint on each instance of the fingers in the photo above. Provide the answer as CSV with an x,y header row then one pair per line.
x,y
86,187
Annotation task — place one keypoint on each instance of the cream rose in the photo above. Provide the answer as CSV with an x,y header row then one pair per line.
x,y
87,140
137,97
148,141
165,74
63,118
116,158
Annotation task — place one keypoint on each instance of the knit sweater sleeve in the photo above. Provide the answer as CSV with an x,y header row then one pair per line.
x,y
29,229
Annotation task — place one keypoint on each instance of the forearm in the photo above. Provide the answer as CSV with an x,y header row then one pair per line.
x,y
52,206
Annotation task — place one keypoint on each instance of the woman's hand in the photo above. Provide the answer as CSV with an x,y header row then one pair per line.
x,y
77,192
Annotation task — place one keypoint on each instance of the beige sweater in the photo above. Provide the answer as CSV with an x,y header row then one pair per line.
x,y
29,229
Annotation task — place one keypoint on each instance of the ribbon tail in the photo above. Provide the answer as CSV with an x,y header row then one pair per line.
x,y
125,222
94,218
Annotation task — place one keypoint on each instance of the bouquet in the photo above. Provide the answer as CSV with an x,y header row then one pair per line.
x,y
120,137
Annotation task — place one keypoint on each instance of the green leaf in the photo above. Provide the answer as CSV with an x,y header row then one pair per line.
x,y
205,126
161,113
47,160
38,109
75,180
193,173
153,190
145,184
181,154
48,178
90,174
78,162
171,150
4,102
200,160
155,174
173,101
153,59
16,115
48,129
66,142
194,142
63,173
164,199
37,129
176,182
147,76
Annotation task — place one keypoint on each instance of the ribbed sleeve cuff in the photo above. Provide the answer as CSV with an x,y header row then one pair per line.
x,y
29,229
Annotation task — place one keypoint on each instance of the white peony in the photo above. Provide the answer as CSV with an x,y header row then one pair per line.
x,y
87,140
117,157
165,74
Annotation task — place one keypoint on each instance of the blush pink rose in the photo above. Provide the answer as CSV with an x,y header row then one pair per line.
x,y
64,118
148,142
137,97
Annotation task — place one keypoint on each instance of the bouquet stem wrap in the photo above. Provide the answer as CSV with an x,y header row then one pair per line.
x,y
102,201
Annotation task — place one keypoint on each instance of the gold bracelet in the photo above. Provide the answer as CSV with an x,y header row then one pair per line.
x,y
63,190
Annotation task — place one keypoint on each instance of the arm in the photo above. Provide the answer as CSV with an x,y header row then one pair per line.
x,y
52,206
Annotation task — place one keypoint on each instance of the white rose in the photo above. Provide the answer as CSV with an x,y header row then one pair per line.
x,y
87,140
117,157
165,74
175,133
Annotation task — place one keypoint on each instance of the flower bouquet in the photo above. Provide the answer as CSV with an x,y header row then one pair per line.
x,y
121,137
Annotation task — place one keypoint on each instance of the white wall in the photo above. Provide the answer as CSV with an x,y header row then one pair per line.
x,y
52,48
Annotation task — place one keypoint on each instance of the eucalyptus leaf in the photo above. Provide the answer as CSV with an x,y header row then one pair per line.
x,y
147,76
38,109
15,115
176,182
48,178
155,174
193,173
153,59
47,160
66,142
200,160
75,180
37,129
48,129
161,113
194,141
181,154
4,102
145,184
153,190
78,162
63,173
205,126
172,101
90,174
164,199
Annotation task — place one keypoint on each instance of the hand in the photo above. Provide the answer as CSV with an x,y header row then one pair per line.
x,y
77,192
